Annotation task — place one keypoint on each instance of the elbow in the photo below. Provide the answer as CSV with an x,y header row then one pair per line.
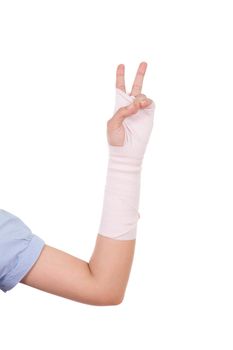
x,y
101,299
110,298
113,301
117,300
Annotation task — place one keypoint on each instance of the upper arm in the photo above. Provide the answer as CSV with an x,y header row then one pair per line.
x,y
62,274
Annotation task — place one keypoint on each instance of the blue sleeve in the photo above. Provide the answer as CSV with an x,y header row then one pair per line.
x,y
19,250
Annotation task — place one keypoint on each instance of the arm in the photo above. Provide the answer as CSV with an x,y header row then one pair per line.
x,y
102,280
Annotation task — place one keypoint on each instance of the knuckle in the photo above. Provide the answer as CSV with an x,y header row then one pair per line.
x,y
141,97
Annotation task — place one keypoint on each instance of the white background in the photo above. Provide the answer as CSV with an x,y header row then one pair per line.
x,y
57,78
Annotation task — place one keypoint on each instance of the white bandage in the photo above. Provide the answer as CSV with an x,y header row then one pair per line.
x,y
121,198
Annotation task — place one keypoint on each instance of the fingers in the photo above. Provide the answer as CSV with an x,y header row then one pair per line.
x,y
137,85
120,77
139,103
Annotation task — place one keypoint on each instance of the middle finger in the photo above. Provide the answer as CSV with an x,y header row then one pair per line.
x,y
137,85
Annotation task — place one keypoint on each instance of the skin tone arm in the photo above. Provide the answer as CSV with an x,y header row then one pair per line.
x,y
102,280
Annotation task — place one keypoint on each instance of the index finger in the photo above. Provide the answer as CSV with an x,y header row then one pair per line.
x,y
120,77
137,85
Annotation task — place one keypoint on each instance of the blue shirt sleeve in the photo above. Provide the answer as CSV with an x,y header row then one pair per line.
x,y
19,250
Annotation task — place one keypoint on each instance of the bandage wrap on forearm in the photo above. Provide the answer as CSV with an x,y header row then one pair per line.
x,y
122,191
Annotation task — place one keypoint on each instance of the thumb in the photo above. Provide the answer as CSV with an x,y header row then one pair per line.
x,y
117,119
127,111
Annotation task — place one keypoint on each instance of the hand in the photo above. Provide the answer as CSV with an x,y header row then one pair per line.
x,y
129,106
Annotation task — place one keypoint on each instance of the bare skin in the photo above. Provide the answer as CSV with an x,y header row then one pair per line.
x,y
102,280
